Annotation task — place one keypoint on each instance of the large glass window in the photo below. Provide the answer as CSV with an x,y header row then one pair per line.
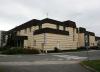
x,y
64,28
57,27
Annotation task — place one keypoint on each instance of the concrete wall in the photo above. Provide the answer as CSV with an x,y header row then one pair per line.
x,y
81,40
92,41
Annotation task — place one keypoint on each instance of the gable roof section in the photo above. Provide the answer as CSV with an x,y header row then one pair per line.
x,y
35,22
30,23
51,21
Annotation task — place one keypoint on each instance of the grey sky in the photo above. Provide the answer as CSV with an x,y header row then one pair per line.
x,y
86,13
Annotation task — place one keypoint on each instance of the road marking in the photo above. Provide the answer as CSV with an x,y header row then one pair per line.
x,y
70,57
3,55
37,63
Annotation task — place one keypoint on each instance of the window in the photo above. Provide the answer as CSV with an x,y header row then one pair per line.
x,y
40,26
57,27
25,31
64,28
73,34
93,44
30,29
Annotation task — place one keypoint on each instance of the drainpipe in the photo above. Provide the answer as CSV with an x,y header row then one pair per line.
x,y
44,44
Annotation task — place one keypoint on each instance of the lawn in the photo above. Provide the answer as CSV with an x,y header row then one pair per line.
x,y
95,64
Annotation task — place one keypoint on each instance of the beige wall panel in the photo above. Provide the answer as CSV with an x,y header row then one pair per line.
x,y
81,40
49,25
61,28
64,41
92,41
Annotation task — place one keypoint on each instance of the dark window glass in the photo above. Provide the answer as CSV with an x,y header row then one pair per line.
x,y
73,34
57,27
64,28
40,26
30,29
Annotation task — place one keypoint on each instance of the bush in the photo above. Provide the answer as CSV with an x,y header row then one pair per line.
x,y
57,50
94,47
4,48
21,51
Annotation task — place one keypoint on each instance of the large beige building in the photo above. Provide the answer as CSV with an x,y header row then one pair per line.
x,y
48,34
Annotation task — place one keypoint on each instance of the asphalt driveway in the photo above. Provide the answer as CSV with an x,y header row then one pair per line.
x,y
52,62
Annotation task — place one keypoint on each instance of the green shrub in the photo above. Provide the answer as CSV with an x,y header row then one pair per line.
x,y
57,50
4,48
21,51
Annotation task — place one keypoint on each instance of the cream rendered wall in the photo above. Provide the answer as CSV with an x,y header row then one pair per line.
x,y
92,41
73,36
45,25
81,40
52,41
61,28
39,41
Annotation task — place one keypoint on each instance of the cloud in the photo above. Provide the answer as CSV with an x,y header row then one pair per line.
x,y
85,13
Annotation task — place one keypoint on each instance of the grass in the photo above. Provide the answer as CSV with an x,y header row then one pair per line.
x,y
95,64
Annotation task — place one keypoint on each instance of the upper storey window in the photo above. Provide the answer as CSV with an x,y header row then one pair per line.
x,y
64,28
61,28
30,29
57,27
40,26
25,31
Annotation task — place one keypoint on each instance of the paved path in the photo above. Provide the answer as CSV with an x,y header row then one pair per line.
x,y
42,66
60,62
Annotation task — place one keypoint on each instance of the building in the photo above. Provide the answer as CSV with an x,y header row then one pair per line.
x,y
3,38
97,41
86,38
48,34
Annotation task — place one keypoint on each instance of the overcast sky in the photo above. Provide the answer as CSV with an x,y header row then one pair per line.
x,y
86,13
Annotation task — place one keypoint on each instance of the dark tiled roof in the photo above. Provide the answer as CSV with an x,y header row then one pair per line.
x,y
69,24
27,24
50,30
35,22
97,38
90,33
47,20
82,30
